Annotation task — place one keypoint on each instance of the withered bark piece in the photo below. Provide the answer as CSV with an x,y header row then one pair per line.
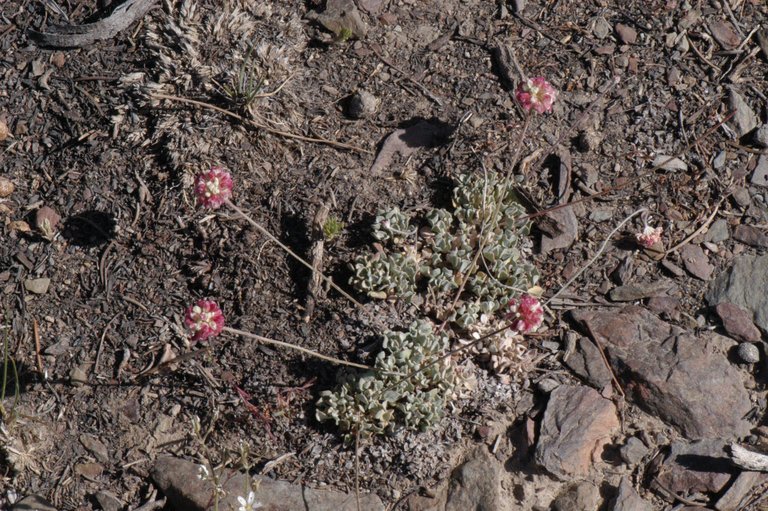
x,y
315,286
77,36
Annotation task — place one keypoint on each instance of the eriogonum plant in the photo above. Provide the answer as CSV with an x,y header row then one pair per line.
x,y
526,313
213,188
649,237
204,319
536,93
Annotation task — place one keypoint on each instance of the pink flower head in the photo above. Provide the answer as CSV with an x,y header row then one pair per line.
x,y
649,237
204,319
536,93
526,313
213,187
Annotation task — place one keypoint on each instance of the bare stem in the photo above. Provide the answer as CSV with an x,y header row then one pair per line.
x,y
293,254
282,344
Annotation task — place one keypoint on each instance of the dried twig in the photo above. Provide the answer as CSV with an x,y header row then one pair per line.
x,y
273,131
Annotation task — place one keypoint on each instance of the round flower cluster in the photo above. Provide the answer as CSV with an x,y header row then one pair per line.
x,y
536,93
649,236
213,187
526,314
204,319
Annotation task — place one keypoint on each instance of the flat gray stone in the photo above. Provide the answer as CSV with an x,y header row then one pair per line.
x,y
475,484
37,286
718,231
178,479
696,467
737,322
744,120
751,235
577,424
740,491
670,373
578,497
586,361
696,262
760,174
33,503
744,284
627,499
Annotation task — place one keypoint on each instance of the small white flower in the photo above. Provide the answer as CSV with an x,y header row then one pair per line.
x,y
203,474
250,503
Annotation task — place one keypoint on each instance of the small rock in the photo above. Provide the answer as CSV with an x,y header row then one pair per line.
x,y
748,353
586,361
627,498
178,480
519,6
95,447
760,175
740,490
700,466
578,497
741,196
4,131
627,34
372,7
664,305
750,235
672,268
602,28
577,424
362,104
718,231
696,262
475,484
37,286
547,385
46,221
632,292
744,119
89,470
77,376
33,503
724,33
6,187
673,163
341,16
108,502
633,451
737,322
744,284
719,161
761,136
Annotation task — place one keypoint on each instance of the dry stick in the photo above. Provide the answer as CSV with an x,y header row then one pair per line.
x,y
699,230
300,259
285,134
282,344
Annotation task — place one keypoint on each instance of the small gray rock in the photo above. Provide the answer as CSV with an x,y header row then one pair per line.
x,y
633,451
744,119
108,501
719,160
760,175
37,286
578,497
748,353
33,503
602,28
362,104
718,231
669,163
761,136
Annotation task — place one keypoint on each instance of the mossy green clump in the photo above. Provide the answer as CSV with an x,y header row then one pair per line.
x,y
435,260
385,399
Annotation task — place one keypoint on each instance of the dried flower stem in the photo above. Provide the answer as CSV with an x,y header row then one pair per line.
x,y
284,134
293,254
282,344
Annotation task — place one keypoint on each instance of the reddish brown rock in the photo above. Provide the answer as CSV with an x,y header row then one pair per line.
x,y
750,235
737,322
670,373
692,467
577,425
696,262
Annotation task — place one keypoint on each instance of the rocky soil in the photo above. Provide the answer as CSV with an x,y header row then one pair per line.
x,y
648,390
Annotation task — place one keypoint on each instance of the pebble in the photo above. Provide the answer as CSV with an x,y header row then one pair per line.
x,y
749,353
627,34
362,104
602,28
761,136
672,164
547,385
633,451
742,197
37,286
744,119
760,175
719,160
6,187
718,231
